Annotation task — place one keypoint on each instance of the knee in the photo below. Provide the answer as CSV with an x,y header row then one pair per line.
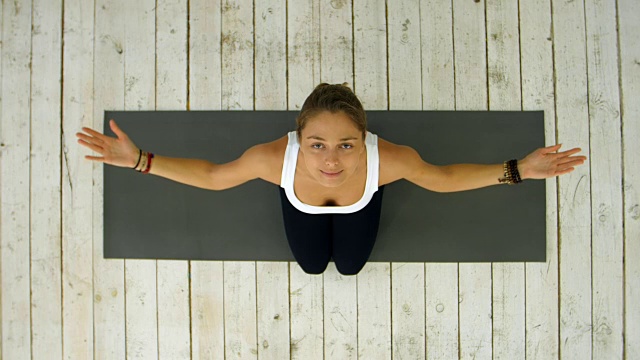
x,y
348,270
313,269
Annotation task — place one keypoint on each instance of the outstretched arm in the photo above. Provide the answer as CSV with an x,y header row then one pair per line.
x,y
540,164
122,152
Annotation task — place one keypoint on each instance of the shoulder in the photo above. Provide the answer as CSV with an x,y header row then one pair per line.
x,y
397,161
268,158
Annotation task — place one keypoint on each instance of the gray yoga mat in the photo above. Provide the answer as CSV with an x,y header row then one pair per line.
x,y
148,217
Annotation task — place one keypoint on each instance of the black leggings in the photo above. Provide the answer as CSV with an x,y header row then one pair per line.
x,y
315,238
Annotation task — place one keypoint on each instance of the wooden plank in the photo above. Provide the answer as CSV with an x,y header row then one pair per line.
x,y
77,205
340,292
503,71
240,310
370,84
46,289
306,295
303,49
441,280
336,42
238,93
271,94
574,188
307,321
438,91
541,291
15,187
207,290
108,275
629,27
140,275
404,55
273,310
474,280
171,94
606,169
370,54
408,310
237,55
374,311
405,93
270,55
207,310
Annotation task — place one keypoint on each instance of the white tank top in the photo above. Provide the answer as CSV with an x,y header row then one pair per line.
x,y
289,171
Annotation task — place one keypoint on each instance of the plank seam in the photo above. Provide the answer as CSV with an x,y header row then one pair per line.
x,y
586,59
93,82
62,159
319,45
386,25
188,49
189,281
224,317
453,58
488,89
624,206
253,14
557,180
155,106
524,267
421,84
30,184
488,104
286,56
353,61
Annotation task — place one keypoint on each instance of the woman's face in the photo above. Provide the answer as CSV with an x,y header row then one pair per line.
x,y
331,147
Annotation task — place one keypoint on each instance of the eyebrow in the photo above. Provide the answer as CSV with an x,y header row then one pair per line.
x,y
321,139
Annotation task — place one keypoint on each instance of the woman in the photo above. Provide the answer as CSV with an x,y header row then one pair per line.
x,y
331,172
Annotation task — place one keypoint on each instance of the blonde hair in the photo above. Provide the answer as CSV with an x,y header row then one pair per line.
x,y
333,98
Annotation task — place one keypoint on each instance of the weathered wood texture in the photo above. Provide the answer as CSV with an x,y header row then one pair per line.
x,y
65,62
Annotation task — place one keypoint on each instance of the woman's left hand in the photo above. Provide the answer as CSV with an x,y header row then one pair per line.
x,y
545,162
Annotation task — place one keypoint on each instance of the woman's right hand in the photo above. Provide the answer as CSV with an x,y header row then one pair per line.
x,y
120,151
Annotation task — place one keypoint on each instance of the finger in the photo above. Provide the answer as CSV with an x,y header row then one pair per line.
x,y
556,146
89,139
95,133
91,146
565,171
572,163
94,158
551,149
116,130
572,151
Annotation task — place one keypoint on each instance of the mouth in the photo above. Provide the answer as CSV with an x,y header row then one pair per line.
x,y
331,174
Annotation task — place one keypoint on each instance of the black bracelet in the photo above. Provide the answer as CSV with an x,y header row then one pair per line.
x,y
139,157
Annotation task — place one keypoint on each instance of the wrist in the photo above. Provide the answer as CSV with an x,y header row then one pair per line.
x,y
135,162
523,170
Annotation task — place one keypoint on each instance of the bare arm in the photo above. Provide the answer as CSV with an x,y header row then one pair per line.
x,y
540,164
121,151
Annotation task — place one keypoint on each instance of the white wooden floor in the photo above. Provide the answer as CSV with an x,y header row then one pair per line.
x,y
65,61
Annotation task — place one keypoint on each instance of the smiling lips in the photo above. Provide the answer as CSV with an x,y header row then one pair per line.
x,y
332,174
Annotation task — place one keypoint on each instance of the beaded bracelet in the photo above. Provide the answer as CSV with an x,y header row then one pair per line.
x,y
511,173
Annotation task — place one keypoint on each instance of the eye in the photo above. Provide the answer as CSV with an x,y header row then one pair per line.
x,y
316,146
348,146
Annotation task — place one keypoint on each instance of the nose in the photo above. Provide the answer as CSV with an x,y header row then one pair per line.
x,y
331,159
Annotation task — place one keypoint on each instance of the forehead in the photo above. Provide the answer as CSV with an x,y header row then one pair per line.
x,y
331,124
